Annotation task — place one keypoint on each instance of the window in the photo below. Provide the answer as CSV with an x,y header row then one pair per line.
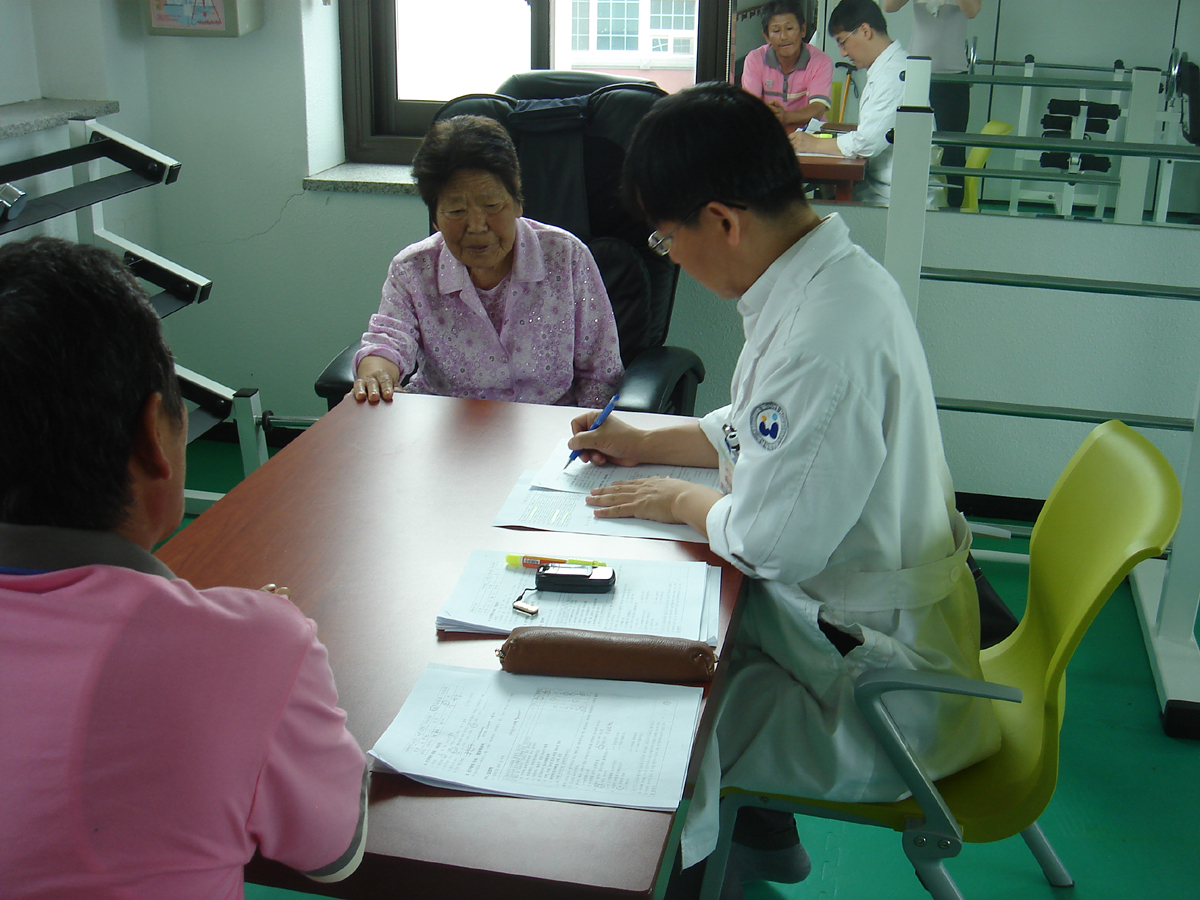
x,y
673,15
581,15
617,25
401,60
493,34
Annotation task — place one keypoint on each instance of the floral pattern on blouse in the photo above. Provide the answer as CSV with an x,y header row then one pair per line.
x,y
557,341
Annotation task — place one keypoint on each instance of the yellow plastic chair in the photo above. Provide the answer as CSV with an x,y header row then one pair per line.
x,y
1116,503
977,159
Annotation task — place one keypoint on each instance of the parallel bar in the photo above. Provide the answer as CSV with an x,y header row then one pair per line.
x,y
906,217
1029,142
165,303
39,209
134,155
1028,174
1141,123
183,284
209,394
1083,84
49,162
1062,283
200,421
1063,414
1023,63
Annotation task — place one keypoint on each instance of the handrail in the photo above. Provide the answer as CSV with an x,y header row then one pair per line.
x,y
1118,66
1029,142
1028,175
1063,413
1083,84
1062,283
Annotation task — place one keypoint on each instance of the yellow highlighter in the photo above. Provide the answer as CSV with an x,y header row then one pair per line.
x,y
532,562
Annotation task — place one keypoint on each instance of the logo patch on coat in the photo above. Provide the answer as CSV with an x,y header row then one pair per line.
x,y
769,425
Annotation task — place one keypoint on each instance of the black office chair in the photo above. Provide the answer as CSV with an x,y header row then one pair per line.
x,y
571,130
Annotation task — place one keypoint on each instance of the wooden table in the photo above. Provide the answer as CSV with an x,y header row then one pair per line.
x,y
369,518
841,171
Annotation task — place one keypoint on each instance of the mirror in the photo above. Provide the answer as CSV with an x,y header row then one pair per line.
x,y
1075,41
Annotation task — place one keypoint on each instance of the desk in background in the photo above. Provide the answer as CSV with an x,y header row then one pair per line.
x,y
840,171
369,518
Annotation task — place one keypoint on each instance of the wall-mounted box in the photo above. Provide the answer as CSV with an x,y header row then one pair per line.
x,y
203,18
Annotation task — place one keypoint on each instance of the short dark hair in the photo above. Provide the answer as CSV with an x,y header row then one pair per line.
x,y
465,142
713,141
82,353
850,14
775,8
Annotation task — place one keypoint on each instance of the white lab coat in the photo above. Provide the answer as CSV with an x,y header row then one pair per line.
x,y
840,505
877,107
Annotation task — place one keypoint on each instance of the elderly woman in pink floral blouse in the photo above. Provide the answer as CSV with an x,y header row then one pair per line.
x,y
492,306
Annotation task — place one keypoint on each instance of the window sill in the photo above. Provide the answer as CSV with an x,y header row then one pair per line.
x,y
31,116
363,178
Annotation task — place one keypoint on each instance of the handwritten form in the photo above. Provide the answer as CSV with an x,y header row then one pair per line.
x,y
672,599
530,507
584,740
580,477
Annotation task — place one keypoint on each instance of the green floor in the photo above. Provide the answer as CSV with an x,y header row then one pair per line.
x,y
1125,818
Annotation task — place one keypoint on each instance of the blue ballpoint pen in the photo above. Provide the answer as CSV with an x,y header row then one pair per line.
x,y
599,421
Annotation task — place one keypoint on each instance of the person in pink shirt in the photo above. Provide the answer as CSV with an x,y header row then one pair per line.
x,y
791,76
492,306
154,736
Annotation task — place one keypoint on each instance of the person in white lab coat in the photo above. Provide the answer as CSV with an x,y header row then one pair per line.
x,y
860,30
835,495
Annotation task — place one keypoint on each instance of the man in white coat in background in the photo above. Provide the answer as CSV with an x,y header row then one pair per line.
x,y
860,30
835,497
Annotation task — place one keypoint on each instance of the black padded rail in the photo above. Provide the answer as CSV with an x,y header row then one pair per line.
x,y
99,147
178,291
39,209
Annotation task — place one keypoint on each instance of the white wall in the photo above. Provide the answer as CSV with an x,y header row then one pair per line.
x,y
296,274
81,51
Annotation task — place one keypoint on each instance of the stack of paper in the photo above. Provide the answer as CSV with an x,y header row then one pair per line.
x,y
672,599
611,743
552,499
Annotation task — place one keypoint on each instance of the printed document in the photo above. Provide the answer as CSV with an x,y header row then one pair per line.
x,y
666,598
580,477
584,740
530,507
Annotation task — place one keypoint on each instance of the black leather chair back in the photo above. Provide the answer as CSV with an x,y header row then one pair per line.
x,y
571,131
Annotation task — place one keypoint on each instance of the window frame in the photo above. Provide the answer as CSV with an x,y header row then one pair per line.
x,y
381,128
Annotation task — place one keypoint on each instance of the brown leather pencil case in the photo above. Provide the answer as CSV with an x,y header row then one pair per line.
x,y
576,653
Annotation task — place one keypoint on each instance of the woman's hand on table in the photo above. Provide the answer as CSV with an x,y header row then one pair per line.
x,y
657,499
376,378
613,442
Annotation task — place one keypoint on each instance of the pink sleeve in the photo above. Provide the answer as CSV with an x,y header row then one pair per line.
x,y
393,332
309,807
820,83
598,369
752,74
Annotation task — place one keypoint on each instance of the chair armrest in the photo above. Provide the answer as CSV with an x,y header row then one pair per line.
x,y
868,694
662,379
335,382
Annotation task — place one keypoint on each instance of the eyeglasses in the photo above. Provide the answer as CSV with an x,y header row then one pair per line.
x,y
841,42
661,243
